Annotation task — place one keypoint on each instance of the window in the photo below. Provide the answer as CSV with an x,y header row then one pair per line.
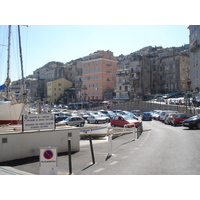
x,y
59,84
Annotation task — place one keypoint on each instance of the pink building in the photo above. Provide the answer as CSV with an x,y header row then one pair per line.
x,y
98,76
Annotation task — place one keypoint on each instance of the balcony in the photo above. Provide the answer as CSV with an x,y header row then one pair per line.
x,y
134,78
122,74
125,83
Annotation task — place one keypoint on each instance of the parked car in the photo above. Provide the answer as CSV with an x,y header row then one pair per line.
x,y
146,116
73,121
136,112
97,118
117,112
107,113
105,116
168,118
156,115
178,118
164,113
129,114
121,120
192,122
60,117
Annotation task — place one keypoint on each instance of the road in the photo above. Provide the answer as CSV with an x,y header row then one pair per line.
x,y
160,150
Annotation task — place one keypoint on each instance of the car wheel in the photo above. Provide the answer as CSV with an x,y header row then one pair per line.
x,y
88,121
113,125
198,125
82,124
191,127
96,122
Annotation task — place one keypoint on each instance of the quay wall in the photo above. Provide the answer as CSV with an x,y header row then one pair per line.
x,y
26,144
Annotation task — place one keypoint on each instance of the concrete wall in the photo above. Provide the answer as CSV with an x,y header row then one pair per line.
x,y
148,106
20,145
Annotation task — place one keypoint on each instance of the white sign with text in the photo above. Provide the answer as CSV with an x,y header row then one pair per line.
x,y
38,122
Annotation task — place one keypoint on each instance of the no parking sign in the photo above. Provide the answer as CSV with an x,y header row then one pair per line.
x,y
48,160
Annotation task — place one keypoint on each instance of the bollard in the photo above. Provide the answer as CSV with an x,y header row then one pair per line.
x,y
69,157
134,133
109,145
91,147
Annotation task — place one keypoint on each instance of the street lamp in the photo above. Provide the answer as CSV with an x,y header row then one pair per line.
x,y
188,83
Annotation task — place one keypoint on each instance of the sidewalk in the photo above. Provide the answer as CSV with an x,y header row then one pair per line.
x,y
12,171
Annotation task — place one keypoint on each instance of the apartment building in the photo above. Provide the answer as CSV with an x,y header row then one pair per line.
x,y
98,76
55,89
122,84
194,57
73,72
173,73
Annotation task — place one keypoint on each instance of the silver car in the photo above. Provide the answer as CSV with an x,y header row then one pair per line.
x,y
96,119
73,121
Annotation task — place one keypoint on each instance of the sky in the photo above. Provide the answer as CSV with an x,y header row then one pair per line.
x,y
45,43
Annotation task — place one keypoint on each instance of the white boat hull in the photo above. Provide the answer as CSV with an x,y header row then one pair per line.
x,y
11,113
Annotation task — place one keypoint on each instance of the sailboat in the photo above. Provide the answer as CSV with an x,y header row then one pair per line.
x,y
12,108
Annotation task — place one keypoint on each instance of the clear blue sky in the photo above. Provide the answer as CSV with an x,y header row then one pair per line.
x,y
44,43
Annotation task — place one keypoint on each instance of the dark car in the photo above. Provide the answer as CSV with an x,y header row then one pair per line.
x,y
178,118
146,116
192,122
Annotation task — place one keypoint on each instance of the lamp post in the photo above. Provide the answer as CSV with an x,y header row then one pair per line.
x,y
188,83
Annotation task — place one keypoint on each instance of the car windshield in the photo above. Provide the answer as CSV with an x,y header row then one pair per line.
x,y
66,119
127,117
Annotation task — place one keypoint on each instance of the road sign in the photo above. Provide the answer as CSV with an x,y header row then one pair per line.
x,y
48,154
48,160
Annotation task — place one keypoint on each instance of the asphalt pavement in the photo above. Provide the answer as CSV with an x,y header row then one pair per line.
x,y
160,150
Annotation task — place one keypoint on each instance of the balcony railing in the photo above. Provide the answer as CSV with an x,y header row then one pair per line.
x,y
134,78
122,74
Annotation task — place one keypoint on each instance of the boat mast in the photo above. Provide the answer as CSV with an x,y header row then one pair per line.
x,y
21,60
8,61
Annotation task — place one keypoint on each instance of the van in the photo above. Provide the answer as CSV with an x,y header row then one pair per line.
x,y
164,113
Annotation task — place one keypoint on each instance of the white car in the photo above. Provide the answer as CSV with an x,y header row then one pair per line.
x,y
96,119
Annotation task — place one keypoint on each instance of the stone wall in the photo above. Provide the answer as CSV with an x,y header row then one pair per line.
x,y
146,106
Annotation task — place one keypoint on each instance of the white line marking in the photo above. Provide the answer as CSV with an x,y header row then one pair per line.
x,y
114,163
99,170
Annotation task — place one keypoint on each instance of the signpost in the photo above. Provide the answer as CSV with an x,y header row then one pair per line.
x,y
48,161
